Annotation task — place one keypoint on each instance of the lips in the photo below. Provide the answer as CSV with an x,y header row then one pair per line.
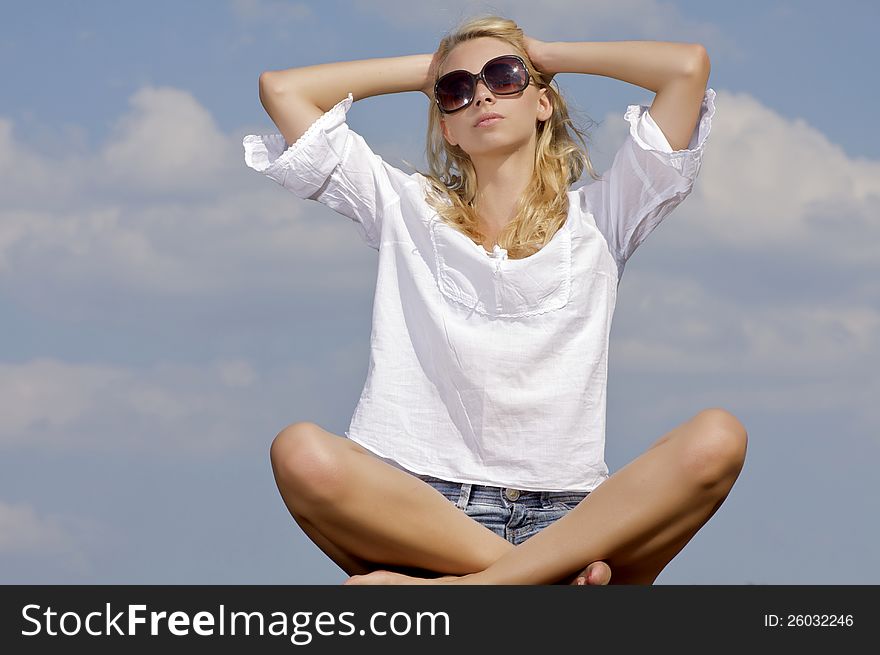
x,y
486,117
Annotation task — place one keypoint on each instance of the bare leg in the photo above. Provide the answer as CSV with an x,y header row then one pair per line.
x,y
637,520
365,514
350,563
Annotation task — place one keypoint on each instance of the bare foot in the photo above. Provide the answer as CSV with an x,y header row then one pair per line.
x,y
382,576
597,573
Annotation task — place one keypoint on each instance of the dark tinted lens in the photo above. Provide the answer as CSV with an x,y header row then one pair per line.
x,y
454,90
506,76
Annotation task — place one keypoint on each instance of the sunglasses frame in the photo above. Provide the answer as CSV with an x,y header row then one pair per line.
x,y
479,76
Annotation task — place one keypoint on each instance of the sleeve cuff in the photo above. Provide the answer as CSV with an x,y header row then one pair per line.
x,y
305,165
648,135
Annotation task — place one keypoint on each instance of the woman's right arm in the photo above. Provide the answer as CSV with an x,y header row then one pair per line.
x,y
296,97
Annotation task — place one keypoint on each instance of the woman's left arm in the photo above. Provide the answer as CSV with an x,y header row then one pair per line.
x,y
676,72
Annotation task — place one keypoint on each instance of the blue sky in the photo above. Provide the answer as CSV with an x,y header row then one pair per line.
x,y
165,311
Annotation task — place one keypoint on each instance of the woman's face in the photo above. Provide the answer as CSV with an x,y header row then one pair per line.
x,y
520,111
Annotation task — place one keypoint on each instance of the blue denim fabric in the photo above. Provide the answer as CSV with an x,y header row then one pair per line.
x,y
511,513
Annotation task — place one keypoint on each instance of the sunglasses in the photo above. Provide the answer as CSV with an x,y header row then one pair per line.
x,y
503,76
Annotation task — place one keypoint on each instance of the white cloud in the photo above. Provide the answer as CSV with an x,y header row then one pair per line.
x,y
46,403
771,182
23,531
48,393
28,177
679,326
790,356
774,188
237,373
784,208
168,143
166,206
562,20
263,21
64,542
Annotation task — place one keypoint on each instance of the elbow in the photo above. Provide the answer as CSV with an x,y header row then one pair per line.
x,y
698,64
279,83
272,83
267,84
265,89
271,90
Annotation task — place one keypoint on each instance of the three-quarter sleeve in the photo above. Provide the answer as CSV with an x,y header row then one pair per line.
x,y
332,164
646,180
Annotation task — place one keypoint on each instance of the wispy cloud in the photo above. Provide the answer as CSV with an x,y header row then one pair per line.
x,y
164,208
798,356
562,20
773,182
23,531
67,544
782,211
52,405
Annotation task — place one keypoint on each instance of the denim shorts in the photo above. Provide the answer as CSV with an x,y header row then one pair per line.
x,y
511,513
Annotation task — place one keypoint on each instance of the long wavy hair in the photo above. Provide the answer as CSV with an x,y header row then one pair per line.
x,y
559,162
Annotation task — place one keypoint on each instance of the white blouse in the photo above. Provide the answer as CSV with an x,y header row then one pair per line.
x,y
485,369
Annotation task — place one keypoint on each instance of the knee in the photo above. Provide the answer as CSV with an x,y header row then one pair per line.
x,y
303,461
717,453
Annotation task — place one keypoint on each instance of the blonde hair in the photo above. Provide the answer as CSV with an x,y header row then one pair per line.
x,y
559,161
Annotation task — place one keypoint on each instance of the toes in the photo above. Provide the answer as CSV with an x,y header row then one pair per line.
x,y
597,573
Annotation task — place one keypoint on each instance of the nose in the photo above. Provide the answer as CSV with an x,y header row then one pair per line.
x,y
482,92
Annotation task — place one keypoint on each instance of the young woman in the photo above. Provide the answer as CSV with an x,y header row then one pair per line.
x,y
476,451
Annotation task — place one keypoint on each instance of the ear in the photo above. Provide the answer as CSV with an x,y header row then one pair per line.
x,y
446,135
545,105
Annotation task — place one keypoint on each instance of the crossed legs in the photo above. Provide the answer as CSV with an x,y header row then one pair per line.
x,y
369,516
